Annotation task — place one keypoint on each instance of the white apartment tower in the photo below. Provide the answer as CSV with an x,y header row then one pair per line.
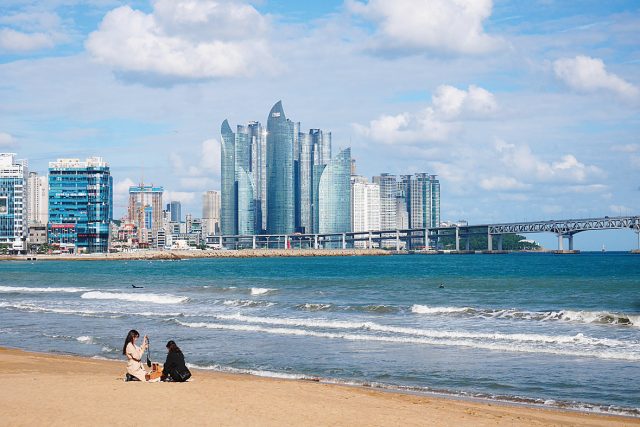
x,y
365,206
211,213
13,201
38,189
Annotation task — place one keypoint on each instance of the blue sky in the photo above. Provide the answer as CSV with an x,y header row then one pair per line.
x,y
525,109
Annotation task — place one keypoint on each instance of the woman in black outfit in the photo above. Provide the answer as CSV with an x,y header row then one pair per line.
x,y
174,368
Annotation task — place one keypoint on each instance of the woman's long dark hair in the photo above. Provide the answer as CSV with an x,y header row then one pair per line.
x,y
173,347
130,336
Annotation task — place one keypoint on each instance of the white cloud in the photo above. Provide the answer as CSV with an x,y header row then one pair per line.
x,y
450,26
30,31
6,139
17,41
183,39
586,74
523,163
204,173
626,148
449,106
502,183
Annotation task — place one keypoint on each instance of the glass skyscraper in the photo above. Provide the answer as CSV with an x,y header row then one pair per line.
x,y
238,210
80,204
334,196
271,177
280,173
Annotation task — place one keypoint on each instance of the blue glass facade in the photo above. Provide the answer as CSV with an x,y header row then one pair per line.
x,y
80,204
228,209
13,209
280,173
334,196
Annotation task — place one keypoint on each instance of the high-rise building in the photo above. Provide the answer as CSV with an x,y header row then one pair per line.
x,y
211,212
365,204
13,201
145,210
238,207
388,193
280,173
80,204
38,189
175,211
334,195
271,178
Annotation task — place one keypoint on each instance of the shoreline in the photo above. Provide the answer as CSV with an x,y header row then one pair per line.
x,y
176,255
95,394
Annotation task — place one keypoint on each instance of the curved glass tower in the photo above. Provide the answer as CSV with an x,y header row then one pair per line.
x,y
334,195
228,214
280,192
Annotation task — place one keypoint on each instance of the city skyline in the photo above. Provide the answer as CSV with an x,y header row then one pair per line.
x,y
531,117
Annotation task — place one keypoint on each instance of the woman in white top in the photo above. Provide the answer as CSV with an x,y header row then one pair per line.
x,y
134,356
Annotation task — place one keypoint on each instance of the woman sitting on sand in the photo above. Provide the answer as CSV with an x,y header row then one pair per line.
x,y
174,368
135,370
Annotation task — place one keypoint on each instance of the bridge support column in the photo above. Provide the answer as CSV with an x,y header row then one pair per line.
x,y
253,243
457,239
398,240
370,242
489,242
560,242
499,242
426,239
344,241
570,236
315,241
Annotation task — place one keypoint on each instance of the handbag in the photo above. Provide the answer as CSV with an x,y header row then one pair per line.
x,y
180,375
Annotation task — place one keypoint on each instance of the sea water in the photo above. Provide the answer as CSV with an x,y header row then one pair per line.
x,y
556,330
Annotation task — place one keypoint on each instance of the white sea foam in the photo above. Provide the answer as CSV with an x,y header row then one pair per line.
x,y
602,317
423,309
314,307
24,289
261,291
137,297
256,372
617,354
85,339
430,333
248,303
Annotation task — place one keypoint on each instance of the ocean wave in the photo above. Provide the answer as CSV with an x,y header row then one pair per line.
x,y
24,289
255,372
85,339
597,317
137,297
313,307
262,291
430,333
248,303
39,309
373,308
423,309
612,353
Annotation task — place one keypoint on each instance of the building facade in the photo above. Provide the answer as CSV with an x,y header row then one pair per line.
x,y
13,202
145,211
280,173
38,189
211,212
334,195
388,193
175,211
365,204
80,205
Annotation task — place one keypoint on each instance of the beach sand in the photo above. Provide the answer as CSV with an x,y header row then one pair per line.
x,y
45,389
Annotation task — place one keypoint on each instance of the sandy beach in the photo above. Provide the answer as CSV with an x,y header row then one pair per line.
x,y
45,389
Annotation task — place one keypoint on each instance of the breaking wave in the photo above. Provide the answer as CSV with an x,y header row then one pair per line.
x,y
262,291
25,289
598,317
152,298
